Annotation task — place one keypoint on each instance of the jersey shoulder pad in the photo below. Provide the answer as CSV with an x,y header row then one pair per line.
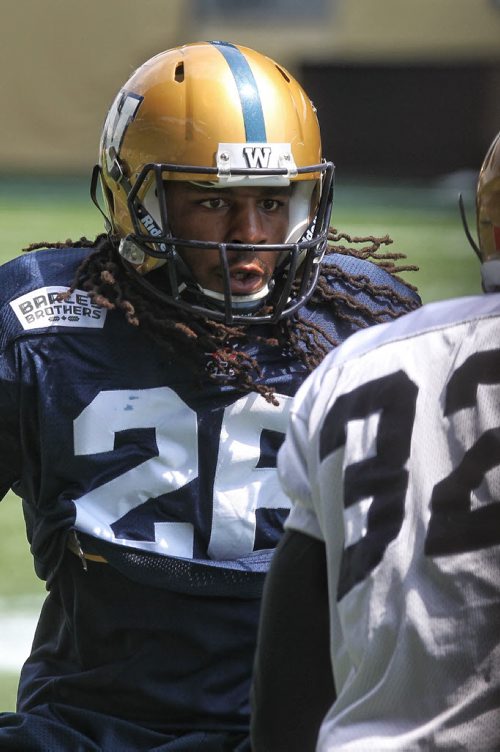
x,y
392,292
29,286
51,266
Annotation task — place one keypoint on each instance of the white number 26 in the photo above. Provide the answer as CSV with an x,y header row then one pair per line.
x,y
240,486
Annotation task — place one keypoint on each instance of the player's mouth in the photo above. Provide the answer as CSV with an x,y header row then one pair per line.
x,y
247,278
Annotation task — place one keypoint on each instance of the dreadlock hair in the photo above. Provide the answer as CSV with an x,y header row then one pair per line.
x,y
212,346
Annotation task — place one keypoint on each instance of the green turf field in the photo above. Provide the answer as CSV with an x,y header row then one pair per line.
x,y
423,221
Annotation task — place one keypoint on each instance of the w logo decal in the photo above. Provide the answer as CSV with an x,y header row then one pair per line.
x,y
257,156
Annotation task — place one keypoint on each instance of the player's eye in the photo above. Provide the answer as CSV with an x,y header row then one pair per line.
x,y
214,202
272,204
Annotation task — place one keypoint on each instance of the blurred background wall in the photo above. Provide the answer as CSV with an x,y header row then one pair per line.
x,y
402,87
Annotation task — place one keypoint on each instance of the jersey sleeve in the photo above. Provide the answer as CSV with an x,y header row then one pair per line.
x,y
10,451
14,276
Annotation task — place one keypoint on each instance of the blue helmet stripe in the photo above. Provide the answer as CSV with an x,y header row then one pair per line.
x,y
251,106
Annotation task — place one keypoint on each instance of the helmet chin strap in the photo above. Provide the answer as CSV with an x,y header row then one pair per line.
x,y
240,303
94,181
186,281
465,225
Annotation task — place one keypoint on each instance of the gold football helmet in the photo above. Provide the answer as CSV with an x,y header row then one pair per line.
x,y
488,203
226,116
488,218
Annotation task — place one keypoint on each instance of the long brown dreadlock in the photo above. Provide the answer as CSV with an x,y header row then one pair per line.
x,y
212,346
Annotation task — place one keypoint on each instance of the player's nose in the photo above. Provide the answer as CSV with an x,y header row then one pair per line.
x,y
246,225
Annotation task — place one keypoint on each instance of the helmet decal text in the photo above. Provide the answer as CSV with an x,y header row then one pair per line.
x,y
257,156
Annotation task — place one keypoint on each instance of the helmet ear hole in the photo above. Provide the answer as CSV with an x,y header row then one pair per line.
x,y
179,72
283,73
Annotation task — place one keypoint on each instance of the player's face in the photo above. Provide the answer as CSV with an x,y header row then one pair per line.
x,y
255,216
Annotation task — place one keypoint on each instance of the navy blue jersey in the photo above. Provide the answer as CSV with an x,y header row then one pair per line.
x,y
167,475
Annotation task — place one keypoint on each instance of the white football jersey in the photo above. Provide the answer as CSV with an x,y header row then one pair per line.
x,y
392,458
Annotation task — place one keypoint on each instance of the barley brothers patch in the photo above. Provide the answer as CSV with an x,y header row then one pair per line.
x,y
43,308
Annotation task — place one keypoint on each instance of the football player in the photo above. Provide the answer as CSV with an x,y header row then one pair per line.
x,y
380,616
145,383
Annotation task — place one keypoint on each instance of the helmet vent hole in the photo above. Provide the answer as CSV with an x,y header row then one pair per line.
x,y
285,76
179,72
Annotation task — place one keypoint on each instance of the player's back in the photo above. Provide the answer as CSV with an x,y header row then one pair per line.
x,y
410,412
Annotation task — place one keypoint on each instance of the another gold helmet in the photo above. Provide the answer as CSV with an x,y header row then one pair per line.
x,y
488,217
488,203
224,114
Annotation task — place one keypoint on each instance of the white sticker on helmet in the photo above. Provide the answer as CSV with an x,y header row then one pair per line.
x,y
256,156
